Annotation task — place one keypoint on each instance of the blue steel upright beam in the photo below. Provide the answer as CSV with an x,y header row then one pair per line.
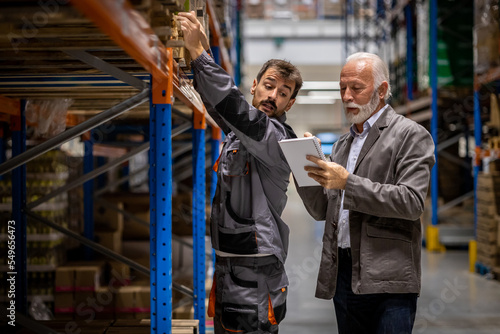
x,y
160,201
215,145
88,194
434,119
477,162
18,125
199,196
409,52
237,41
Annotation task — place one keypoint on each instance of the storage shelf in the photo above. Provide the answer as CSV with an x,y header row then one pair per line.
x,y
42,207
45,298
33,268
485,78
37,237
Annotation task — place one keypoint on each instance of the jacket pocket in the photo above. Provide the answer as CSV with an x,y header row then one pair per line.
x,y
387,254
238,240
388,232
233,215
235,162
278,290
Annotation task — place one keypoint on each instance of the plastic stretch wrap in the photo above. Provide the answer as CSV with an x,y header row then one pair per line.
x,y
486,35
47,116
39,311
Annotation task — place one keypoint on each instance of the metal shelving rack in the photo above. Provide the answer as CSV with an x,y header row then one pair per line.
x,y
369,33
132,36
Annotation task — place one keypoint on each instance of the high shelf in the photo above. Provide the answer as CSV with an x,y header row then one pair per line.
x,y
431,77
112,58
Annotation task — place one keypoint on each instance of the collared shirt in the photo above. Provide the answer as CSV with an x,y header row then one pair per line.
x,y
344,238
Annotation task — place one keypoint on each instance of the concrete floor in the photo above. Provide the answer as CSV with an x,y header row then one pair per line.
x,y
452,300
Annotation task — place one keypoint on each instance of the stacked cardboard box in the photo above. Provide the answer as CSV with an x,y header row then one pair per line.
x,y
132,302
75,289
109,226
488,198
305,10
333,8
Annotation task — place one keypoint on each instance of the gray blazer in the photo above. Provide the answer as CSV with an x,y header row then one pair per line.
x,y
385,196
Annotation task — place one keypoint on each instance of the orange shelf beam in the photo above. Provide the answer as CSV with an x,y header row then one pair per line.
x,y
127,28
10,106
217,39
132,33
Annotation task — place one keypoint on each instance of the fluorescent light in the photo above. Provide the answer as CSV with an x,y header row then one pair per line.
x,y
314,100
330,94
320,85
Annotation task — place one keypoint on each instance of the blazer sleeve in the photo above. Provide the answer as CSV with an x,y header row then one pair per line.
x,y
405,197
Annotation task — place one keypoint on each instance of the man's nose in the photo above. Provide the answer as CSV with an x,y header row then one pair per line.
x,y
347,96
273,94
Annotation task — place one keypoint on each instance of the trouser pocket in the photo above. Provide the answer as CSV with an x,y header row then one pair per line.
x,y
278,290
239,317
239,304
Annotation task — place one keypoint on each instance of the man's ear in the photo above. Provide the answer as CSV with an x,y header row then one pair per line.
x,y
382,89
254,85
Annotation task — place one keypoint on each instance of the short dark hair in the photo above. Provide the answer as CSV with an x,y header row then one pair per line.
x,y
286,70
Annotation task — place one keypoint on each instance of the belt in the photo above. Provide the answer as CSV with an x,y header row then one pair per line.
x,y
246,261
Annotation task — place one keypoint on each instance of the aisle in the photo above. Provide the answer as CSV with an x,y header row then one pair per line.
x,y
452,299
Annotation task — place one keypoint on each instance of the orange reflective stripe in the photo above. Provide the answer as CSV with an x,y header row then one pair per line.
x,y
211,300
231,330
270,313
215,168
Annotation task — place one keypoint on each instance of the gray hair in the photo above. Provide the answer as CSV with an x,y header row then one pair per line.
x,y
379,69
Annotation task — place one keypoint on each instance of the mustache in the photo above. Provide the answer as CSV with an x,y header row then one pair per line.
x,y
352,105
270,102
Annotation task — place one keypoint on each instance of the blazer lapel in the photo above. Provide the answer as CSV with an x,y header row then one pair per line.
x,y
374,134
342,158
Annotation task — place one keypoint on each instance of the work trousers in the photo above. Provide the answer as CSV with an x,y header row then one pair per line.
x,y
383,313
248,294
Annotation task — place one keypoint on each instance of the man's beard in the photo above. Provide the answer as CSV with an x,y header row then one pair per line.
x,y
365,111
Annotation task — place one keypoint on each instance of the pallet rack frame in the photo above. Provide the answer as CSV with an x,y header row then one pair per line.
x,y
163,88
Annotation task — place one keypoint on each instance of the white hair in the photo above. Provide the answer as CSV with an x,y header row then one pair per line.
x,y
379,69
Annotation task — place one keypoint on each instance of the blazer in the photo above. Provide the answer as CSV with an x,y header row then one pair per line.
x,y
385,197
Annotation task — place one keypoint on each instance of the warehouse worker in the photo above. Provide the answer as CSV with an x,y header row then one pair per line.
x,y
371,193
248,234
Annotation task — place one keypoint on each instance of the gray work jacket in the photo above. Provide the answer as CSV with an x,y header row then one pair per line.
x,y
385,197
252,173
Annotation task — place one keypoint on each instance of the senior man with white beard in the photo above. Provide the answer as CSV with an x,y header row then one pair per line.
x,y
371,194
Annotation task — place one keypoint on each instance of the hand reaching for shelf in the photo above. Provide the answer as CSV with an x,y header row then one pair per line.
x,y
195,39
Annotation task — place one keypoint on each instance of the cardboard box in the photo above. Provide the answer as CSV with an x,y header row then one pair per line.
x,y
133,302
105,300
88,278
64,303
119,274
124,302
142,303
110,239
65,279
108,219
